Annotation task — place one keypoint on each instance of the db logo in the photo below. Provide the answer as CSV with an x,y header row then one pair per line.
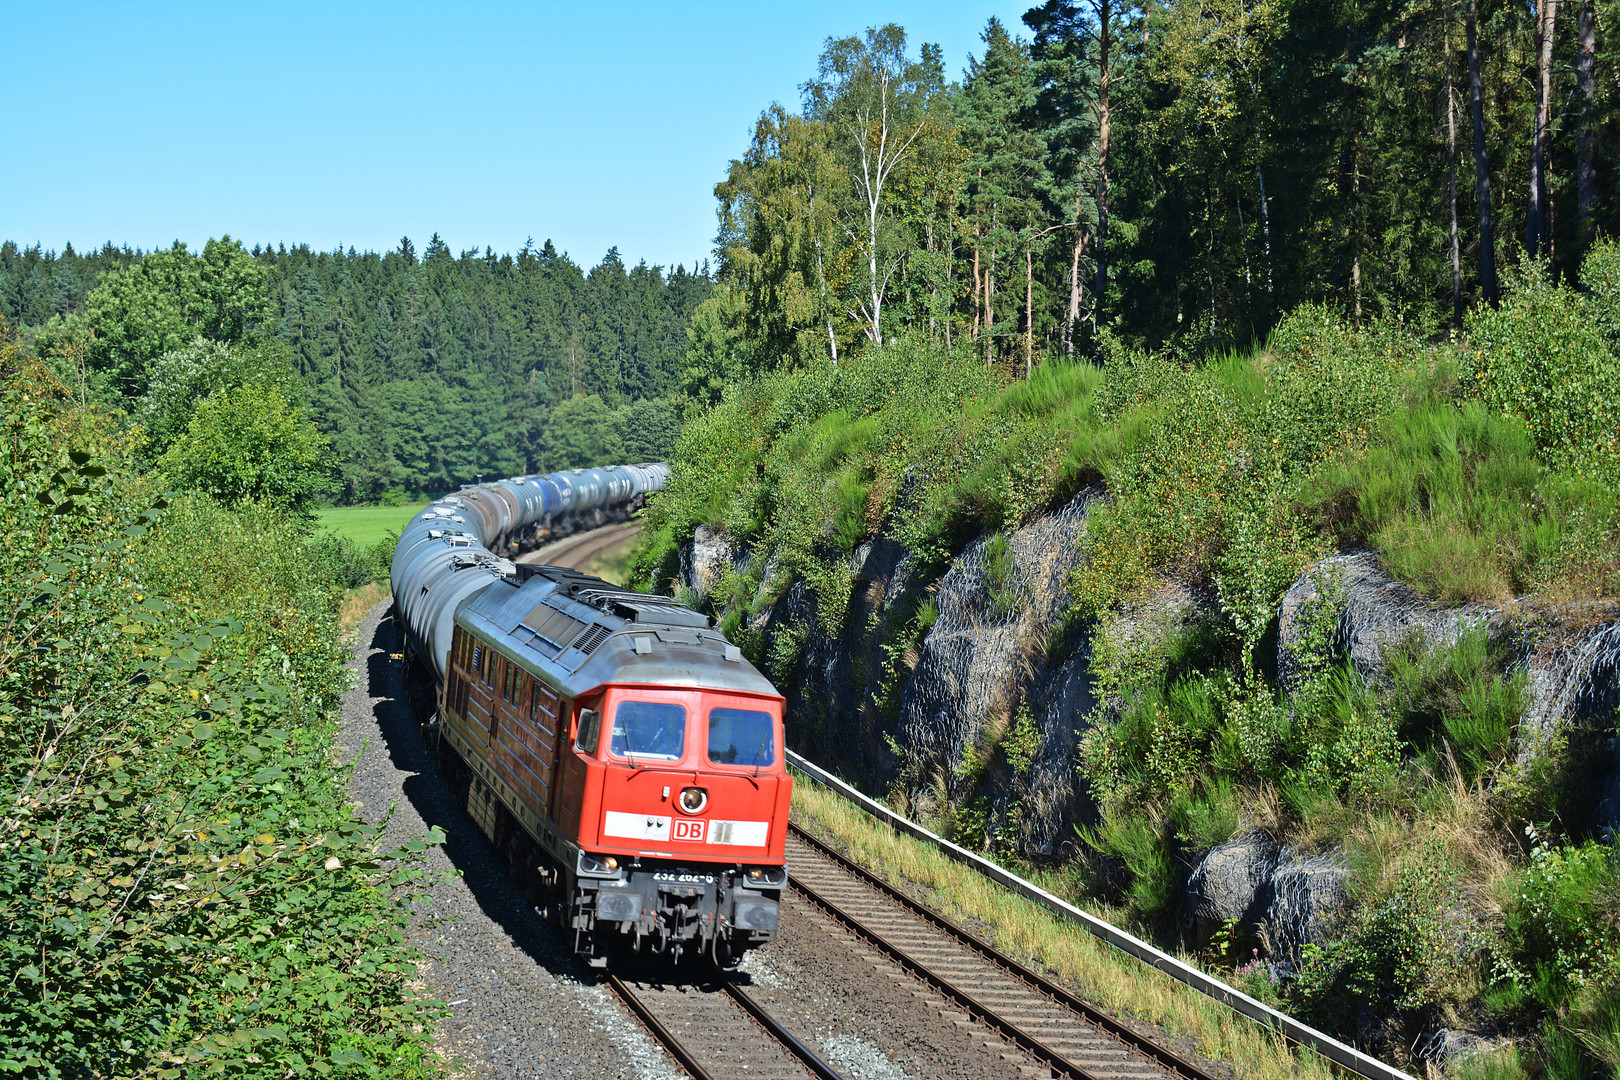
x,y
689,829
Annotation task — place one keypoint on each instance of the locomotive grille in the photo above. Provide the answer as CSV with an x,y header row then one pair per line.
x,y
553,625
592,638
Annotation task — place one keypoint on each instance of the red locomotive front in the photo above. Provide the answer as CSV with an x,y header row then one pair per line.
x,y
684,800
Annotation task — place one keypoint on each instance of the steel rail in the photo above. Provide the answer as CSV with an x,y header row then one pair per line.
x,y
684,1057
1171,1061
665,1037
1340,1053
986,1015
790,1042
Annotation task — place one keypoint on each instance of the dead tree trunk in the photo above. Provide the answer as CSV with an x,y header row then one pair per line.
x,y
1073,315
1535,218
1029,312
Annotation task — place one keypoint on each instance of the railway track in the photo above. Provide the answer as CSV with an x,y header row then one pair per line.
x,y
716,1030
587,551
713,1030
1045,1021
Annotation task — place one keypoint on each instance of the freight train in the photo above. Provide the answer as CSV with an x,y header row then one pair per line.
x,y
613,745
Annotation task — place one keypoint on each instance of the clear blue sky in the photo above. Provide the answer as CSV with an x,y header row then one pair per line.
x,y
354,124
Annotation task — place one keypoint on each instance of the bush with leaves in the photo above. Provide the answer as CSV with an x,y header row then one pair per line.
x,y
181,378
1407,950
250,444
1562,922
184,887
1542,357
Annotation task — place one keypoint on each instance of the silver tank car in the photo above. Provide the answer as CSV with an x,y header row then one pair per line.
x,y
446,553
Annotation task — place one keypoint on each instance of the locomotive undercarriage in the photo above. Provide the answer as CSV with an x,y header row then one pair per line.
x,y
670,909
665,909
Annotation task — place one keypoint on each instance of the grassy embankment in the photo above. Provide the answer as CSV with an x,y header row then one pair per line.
x,y
1484,471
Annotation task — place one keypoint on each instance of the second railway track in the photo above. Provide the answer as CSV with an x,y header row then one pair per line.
x,y
1066,1035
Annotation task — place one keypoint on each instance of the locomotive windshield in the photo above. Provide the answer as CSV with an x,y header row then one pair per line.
x,y
649,729
741,737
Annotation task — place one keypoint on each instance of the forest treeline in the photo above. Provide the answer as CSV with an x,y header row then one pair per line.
x,y
1163,172
1119,170
425,372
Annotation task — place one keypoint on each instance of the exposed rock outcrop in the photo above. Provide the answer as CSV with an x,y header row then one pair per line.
x,y
1447,1048
1309,901
1378,612
871,696
1233,881
1574,672
1570,653
1289,900
852,700
706,560
987,651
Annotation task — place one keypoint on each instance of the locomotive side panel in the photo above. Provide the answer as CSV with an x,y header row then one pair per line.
x,y
525,747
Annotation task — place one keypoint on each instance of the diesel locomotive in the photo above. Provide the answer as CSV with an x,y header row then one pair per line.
x,y
621,753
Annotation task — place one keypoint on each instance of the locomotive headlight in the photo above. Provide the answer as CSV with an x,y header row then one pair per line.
x,y
693,800
765,877
598,865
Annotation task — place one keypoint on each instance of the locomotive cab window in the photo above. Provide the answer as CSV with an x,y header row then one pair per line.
x,y
742,737
649,729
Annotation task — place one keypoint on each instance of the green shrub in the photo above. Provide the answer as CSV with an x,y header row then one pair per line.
x,y
1562,922
1407,950
349,564
1137,843
1253,739
185,887
249,444
997,559
1349,740
1463,694
1542,357
1209,817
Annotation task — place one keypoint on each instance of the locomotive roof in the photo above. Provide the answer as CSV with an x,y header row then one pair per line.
x,y
579,632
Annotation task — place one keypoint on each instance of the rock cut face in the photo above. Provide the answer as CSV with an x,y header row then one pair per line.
x,y
1570,653
986,653
1378,614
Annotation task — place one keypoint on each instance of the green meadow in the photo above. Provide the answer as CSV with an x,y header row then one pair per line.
x,y
365,525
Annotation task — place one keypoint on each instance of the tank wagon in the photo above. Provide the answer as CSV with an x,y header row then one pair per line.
x,y
623,755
